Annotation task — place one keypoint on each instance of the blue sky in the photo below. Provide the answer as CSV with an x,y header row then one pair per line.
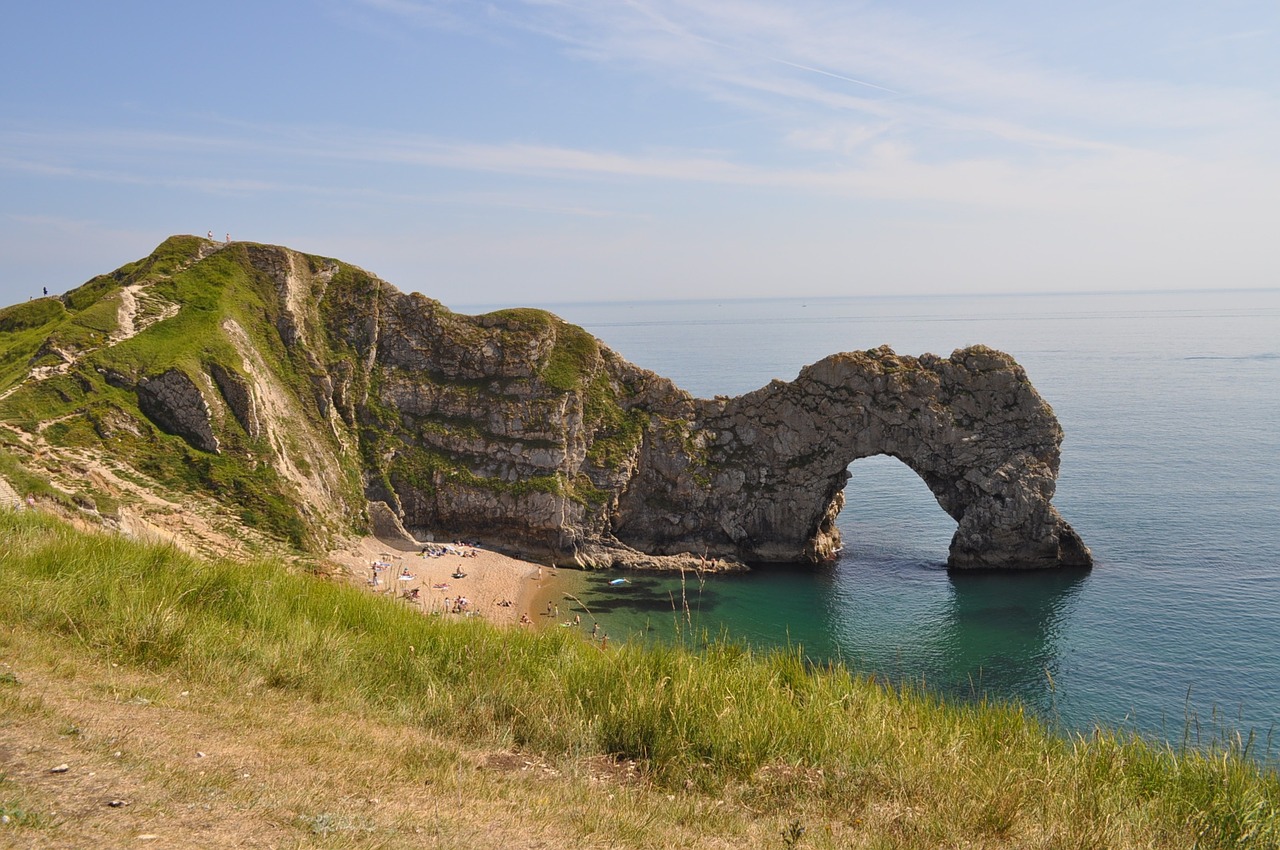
x,y
564,150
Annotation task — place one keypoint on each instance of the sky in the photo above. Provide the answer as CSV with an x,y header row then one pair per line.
x,y
548,151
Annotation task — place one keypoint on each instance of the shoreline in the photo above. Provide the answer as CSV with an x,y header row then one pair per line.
x,y
490,579
498,588
552,590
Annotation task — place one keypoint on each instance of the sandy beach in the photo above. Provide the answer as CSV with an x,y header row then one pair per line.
x,y
498,588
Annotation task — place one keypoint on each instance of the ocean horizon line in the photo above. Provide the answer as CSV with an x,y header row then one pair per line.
x,y
1092,293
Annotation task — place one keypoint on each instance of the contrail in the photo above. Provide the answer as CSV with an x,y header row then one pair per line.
x,y
830,74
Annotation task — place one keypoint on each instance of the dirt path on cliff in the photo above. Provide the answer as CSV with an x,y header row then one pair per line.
x,y
108,756
9,497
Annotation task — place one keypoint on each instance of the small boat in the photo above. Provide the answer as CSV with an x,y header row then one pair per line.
x,y
618,582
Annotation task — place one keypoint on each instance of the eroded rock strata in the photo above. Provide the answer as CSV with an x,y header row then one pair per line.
x,y
323,387
521,425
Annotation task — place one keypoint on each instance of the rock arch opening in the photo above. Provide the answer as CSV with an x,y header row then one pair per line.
x,y
890,513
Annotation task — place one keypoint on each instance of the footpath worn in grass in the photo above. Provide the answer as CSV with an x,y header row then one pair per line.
x,y
632,746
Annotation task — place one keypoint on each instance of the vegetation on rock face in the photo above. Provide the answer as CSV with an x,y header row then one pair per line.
x,y
728,746
617,432
573,359
429,472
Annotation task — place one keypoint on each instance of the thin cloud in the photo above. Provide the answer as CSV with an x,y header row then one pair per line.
x,y
514,161
883,169
949,78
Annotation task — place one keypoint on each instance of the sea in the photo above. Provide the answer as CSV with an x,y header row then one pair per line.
x,y
1170,402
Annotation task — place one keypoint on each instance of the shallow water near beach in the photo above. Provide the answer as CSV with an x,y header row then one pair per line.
x,y
1170,472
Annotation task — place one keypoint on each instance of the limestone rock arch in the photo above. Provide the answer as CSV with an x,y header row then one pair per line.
x,y
761,477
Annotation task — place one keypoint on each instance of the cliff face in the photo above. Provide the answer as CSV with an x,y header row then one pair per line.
x,y
332,390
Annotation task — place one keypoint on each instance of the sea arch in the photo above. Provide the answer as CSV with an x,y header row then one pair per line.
x,y
765,476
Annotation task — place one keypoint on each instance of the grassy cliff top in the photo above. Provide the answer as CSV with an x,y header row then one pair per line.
x,y
220,704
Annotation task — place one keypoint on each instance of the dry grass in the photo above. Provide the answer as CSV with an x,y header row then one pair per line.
x,y
200,766
227,705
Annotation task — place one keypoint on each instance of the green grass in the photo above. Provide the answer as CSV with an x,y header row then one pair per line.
x,y
23,330
30,315
85,316
14,814
87,329
209,291
766,729
575,356
519,319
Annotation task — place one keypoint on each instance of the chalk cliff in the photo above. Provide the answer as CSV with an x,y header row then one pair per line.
x,y
321,390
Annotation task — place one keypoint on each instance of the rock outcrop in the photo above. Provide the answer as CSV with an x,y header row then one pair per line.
x,y
175,403
235,391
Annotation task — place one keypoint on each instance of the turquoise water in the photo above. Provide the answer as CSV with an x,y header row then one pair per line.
x,y
1170,471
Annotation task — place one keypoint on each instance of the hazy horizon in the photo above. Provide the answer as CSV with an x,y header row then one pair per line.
x,y
463,305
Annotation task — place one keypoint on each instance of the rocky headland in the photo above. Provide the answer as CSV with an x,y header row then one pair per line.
x,y
313,399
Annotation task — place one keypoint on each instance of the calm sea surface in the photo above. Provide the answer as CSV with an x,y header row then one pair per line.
x,y
1170,472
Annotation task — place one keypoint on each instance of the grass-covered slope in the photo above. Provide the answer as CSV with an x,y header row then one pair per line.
x,y
70,371
227,704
